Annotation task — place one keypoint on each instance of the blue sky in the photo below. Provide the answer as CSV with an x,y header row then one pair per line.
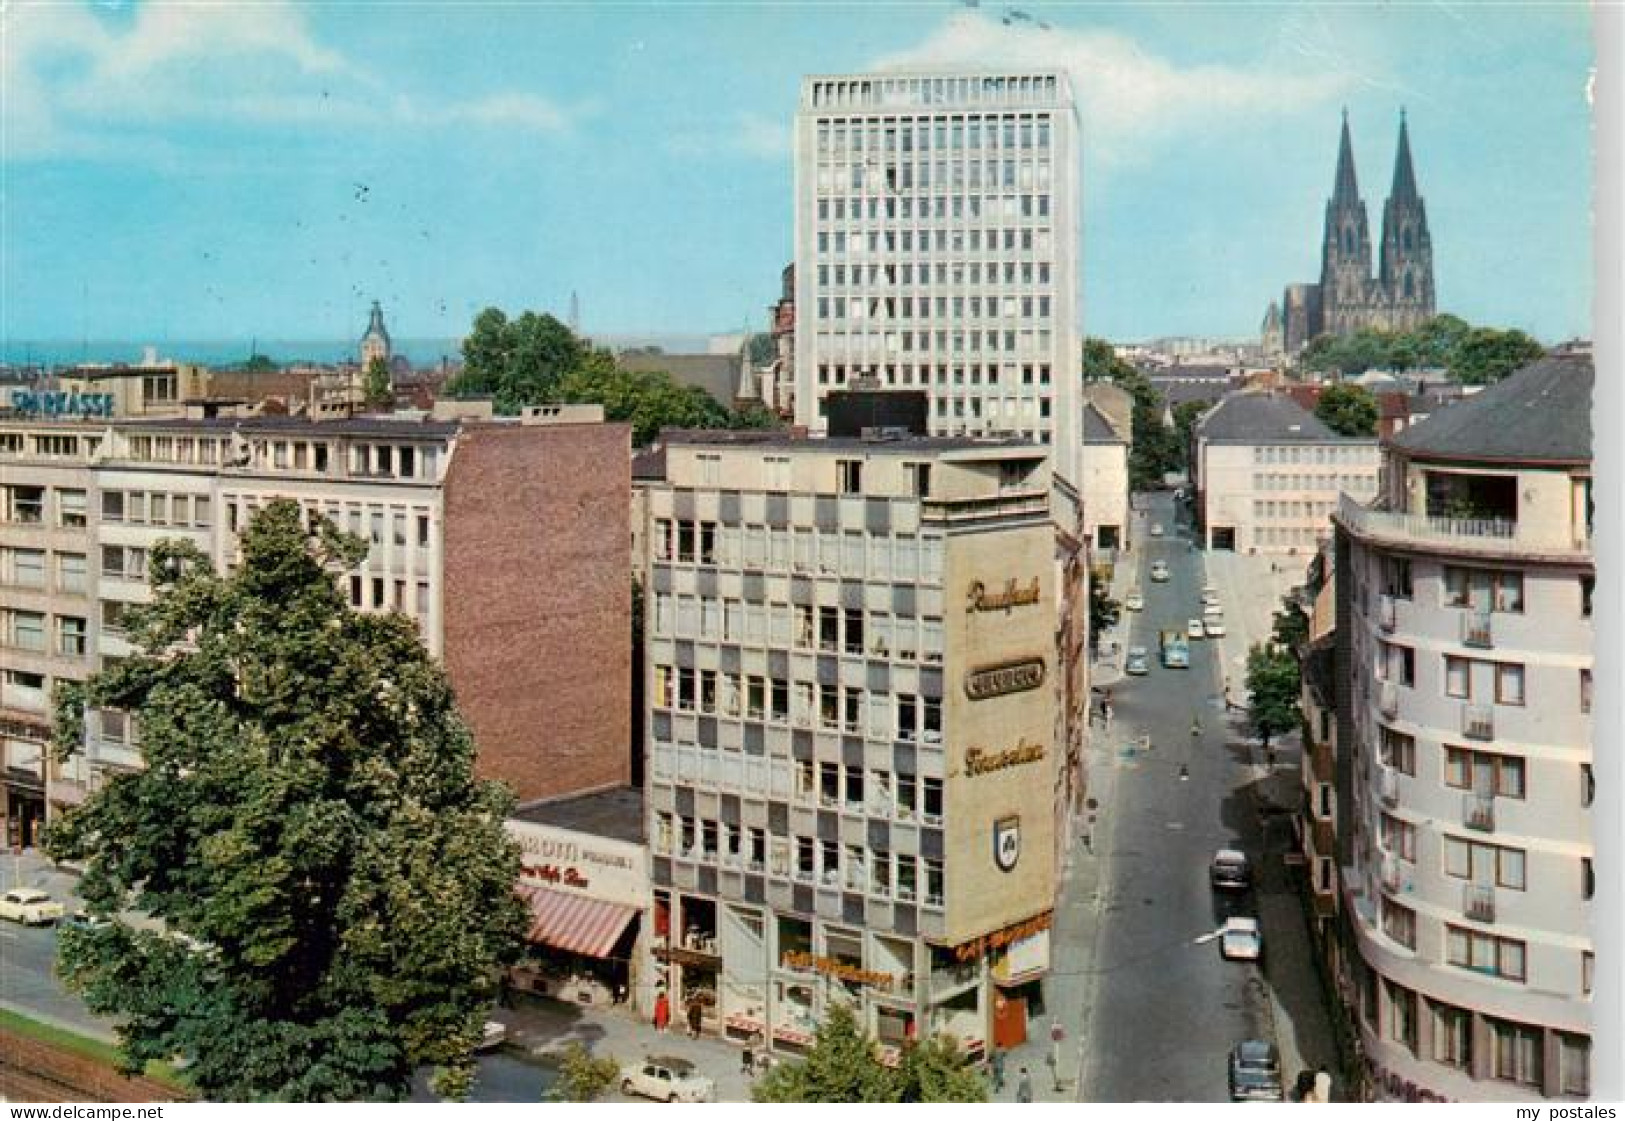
x,y
203,172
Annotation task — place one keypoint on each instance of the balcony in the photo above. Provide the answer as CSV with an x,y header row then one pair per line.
x,y
1392,875
1385,613
1478,902
1388,786
946,979
1388,699
1476,629
1478,722
1478,811
1487,536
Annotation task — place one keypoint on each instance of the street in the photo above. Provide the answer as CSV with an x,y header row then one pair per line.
x,y
1163,1011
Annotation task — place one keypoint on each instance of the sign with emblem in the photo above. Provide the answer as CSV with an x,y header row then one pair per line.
x,y
1007,842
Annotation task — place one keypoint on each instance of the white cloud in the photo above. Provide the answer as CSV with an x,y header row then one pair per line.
x,y
74,85
1130,99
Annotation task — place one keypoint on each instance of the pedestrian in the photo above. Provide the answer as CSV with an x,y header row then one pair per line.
x,y
747,1060
695,1014
1024,1086
996,1065
662,1011
1184,773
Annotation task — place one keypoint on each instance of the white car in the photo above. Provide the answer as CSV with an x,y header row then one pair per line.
x,y
1214,626
1159,571
1241,940
1138,662
30,906
493,1035
1210,596
1156,531
667,1080
1193,629
1134,601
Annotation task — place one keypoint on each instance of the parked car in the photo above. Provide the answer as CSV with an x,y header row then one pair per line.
x,y
1230,870
1138,661
1210,595
1255,1072
30,906
667,1079
1159,571
1156,530
1241,940
1134,601
1193,629
492,1036
1214,626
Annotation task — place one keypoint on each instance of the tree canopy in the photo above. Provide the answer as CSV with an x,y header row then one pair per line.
x,y
379,389
1156,449
1471,355
1274,682
844,1065
334,887
517,362
1348,409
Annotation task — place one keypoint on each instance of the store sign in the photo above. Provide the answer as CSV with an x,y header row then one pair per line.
x,y
1007,677
59,402
1007,843
556,874
840,970
1012,594
999,939
981,761
613,871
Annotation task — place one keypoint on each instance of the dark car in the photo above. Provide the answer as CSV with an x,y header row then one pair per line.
x,y
1230,871
1255,1072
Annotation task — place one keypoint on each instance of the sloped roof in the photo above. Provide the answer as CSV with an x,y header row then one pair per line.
x,y
1540,414
1263,418
1097,429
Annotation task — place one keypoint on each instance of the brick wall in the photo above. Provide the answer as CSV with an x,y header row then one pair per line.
x,y
538,603
34,1071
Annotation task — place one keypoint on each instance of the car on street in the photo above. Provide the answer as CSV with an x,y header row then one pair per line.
x,y
667,1079
1193,629
1255,1072
1230,870
1156,530
1159,571
1241,940
493,1035
1214,626
1210,595
1134,601
1138,662
30,906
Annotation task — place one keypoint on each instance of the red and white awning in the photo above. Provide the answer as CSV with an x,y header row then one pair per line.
x,y
574,922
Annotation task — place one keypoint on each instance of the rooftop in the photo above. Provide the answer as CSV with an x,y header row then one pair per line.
x,y
616,814
1540,414
1264,418
791,440
1097,429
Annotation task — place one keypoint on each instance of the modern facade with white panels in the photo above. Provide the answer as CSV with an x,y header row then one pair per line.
x,y
1464,740
936,227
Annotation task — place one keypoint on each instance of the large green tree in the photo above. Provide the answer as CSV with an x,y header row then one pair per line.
x,y
1273,681
517,362
1485,355
649,400
379,390
1472,355
1348,409
333,887
1103,609
844,1065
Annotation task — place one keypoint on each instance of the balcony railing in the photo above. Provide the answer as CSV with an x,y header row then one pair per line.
x,y
953,976
1478,811
1388,785
1388,698
1477,629
1478,722
1392,875
1478,534
1478,902
1385,612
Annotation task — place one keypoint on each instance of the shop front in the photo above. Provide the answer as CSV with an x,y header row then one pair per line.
x,y
588,898
23,745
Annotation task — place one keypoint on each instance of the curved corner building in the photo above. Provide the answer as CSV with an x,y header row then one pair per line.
x,y
1464,779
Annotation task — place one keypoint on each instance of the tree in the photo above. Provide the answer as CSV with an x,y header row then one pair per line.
x,y
380,389
1103,609
517,362
1154,451
1273,681
334,888
936,1070
761,349
843,1065
647,399
1486,356
1290,626
1348,409
583,1078
260,364
1186,414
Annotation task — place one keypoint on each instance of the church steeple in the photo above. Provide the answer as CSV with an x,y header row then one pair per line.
x,y
1347,189
1345,255
1406,271
1404,175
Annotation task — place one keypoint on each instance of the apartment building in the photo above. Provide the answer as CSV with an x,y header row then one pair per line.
x,y
864,735
1104,482
1268,474
505,541
1464,767
936,232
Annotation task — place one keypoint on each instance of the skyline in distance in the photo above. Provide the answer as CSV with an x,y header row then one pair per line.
x,y
181,173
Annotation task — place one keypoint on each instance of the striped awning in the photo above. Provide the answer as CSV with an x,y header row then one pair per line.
x,y
574,922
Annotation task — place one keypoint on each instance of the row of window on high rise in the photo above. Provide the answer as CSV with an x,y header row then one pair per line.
x,y
885,92
870,209
1009,175
971,132
1014,375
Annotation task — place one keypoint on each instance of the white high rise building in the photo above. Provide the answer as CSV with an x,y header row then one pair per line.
x,y
937,249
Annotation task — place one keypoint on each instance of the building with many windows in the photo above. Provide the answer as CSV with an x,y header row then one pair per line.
x,y
864,738
505,541
1268,474
936,230
1464,747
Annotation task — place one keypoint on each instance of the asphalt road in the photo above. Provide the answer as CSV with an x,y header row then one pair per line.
x,y
1165,1011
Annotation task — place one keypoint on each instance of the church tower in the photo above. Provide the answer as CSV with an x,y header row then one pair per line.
x,y
1407,249
375,343
1345,255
